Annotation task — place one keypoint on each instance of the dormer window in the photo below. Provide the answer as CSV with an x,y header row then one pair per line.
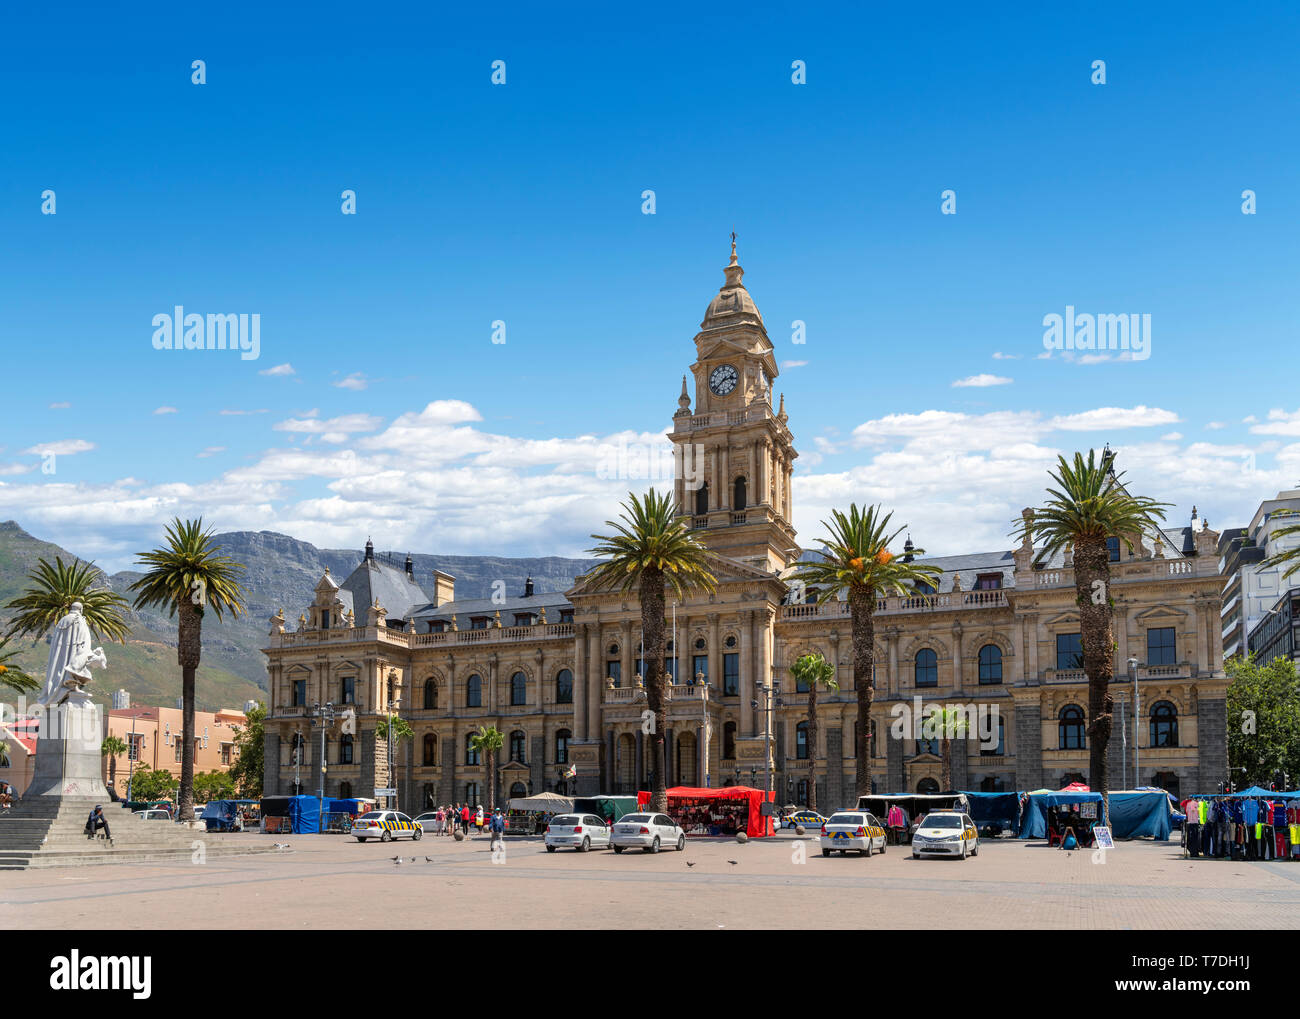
x,y
566,615
923,587
437,626
525,618
479,622
988,582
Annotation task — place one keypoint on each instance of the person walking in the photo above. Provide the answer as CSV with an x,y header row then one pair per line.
x,y
498,827
464,819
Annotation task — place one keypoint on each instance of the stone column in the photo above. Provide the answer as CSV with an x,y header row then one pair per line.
x,y
1029,745
490,702
957,652
270,762
763,673
1211,744
895,778
834,768
892,637
595,682
669,770
714,651
724,491
581,680
639,750
537,763
748,688
628,653
609,766
1032,671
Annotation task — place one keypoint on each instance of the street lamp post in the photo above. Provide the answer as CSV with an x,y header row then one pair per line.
x,y
324,717
132,754
394,702
1137,714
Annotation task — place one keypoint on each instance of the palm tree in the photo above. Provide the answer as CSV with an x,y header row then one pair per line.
x,y
653,550
402,732
55,588
813,670
1089,505
1291,557
488,741
12,676
111,748
952,724
187,576
856,561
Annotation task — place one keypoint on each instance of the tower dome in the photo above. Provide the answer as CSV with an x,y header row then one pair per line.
x,y
732,305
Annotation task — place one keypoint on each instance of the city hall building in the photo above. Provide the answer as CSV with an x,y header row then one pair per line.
x,y
559,673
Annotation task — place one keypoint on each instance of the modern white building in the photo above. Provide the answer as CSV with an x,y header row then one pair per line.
x,y
1249,592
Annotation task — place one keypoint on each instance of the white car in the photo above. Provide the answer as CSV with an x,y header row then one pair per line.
x,y
946,833
581,831
804,819
386,825
855,830
153,815
647,832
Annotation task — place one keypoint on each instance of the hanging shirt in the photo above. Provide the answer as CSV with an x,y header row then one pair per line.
x,y
1202,810
1250,811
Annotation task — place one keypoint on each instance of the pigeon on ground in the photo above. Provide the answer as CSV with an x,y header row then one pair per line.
x,y
734,863
397,860
690,863
428,859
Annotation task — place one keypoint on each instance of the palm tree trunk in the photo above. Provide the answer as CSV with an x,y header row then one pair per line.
x,y
189,646
652,654
1096,634
945,746
812,745
862,608
492,781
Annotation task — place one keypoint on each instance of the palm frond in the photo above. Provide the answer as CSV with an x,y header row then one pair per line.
x,y
1291,557
55,587
188,567
856,558
11,676
1089,502
649,537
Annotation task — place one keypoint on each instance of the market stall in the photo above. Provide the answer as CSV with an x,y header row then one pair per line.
x,y
297,814
1047,814
529,815
994,813
230,815
1141,813
913,807
606,807
724,811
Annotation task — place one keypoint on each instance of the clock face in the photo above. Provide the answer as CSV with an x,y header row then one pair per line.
x,y
723,379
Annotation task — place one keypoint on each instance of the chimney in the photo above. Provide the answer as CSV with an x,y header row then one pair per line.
x,y
444,588
370,550
528,587
410,566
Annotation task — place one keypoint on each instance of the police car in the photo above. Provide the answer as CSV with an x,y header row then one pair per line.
x,y
852,829
386,825
946,833
803,818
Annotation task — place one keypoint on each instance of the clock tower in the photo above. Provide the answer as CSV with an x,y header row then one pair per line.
x,y
735,454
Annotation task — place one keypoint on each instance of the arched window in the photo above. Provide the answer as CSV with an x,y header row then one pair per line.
x,y
1164,724
430,750
801,741
430,695
990,664
471,754
729,741
1001,747
474,691
927,787
564,687
927,668
562,738
702,499
1070,728
518,743
738,495
345,790
345,749
518,791
518,688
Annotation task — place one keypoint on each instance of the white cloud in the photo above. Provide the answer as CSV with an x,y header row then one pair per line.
x,y
1280,422
1214,426
982,380
999,356
279,369
210,451
63,405
334,430
166,410
793,364
1171,437
355,381
64,447
1106,418
242,413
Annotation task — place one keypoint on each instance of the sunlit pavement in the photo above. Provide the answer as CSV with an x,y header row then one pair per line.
x,y
333,881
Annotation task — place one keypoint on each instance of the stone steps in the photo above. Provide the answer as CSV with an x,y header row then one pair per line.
x,y
39,860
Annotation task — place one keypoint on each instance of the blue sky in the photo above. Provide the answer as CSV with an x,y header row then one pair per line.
x,y
522,203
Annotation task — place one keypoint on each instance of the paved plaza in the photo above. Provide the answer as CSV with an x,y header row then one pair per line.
x,y
336,882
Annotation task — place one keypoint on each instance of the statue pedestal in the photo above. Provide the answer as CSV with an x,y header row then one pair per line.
x,y
68,758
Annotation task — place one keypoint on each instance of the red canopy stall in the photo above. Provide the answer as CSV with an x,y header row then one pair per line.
x,y
724,811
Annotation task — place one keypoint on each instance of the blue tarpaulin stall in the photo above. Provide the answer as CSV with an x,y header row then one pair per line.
x,y
994,808
1256,792
1139,814
304,815
1033,823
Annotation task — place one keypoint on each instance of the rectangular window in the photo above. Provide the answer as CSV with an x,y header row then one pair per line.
x,y
324,619
225,754
133,741
615,671
566,615
1162,647
1069,651
437,626
1112,549
988,582
670,668
562,747
524,619
177,746
349,690
700,667
299,693
731,674
478,623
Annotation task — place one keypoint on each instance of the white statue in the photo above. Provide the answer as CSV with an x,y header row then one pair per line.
x,y
71,657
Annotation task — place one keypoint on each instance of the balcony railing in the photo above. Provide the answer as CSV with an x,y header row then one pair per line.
x,y
400,638
959,600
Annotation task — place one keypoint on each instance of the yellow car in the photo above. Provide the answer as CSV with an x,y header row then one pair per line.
x,y
946,833
857,830
386,825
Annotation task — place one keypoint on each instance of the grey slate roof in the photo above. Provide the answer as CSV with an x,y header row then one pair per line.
x,y
374,578
463,608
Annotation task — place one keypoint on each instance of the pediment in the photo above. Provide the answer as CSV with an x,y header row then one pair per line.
x,y
1160,612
